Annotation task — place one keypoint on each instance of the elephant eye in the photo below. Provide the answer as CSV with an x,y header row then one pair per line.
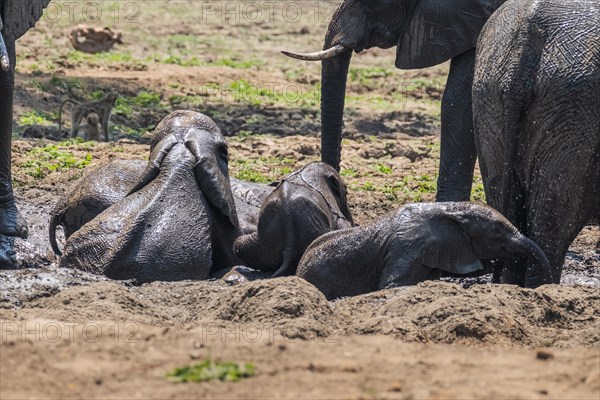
x,y
223,152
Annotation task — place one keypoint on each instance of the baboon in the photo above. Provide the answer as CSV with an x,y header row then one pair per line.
x,y
102,108
90,130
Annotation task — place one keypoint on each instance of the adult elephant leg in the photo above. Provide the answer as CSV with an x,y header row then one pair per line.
x,y
458,154
11,222
565,180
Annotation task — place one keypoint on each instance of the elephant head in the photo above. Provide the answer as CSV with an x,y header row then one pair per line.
x,y
425,33
414,244
179,220
308,203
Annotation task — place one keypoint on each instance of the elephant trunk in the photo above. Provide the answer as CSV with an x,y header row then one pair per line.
x,y
333,92
538,272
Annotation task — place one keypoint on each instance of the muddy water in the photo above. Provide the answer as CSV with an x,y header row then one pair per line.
x,y
40,277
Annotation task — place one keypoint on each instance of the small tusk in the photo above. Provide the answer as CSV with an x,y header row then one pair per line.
x,y
4,60
319,55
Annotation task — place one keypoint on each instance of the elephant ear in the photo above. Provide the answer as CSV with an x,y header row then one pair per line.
x,y
440,30
338,188
21,15
448,247
212,175
154,164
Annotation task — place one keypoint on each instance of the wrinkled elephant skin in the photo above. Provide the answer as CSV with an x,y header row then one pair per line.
x,y
414,244
536,103
178,222
308,203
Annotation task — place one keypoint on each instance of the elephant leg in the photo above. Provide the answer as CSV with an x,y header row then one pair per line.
x,y
12,224
458,154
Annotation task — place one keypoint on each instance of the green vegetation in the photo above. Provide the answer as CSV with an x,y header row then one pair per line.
x,y
368,186
176,60
133,133
35,117
366,75
261,169
221,62
108,58
250,175
234,63
411,188
384,169
273,94
349,172
209,370
67,84
42,161
478,192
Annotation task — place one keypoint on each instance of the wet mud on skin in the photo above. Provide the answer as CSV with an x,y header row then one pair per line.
x,y
456,339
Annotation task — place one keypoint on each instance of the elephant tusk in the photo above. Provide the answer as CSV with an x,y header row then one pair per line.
x,y
4,60
318,56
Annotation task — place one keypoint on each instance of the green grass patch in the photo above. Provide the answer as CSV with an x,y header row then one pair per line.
x,y
246,92
112,58
384,169
261,169
478,192
209,370
129,131
35,117
366,75
234,63
184,62
250,175
51,158
349,172
68,84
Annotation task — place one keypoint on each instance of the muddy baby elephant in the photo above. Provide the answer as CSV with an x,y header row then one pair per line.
x,y
177,222
104,186
95,192
414,244
305,205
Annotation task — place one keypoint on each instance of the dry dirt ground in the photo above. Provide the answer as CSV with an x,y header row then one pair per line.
x,y
66,334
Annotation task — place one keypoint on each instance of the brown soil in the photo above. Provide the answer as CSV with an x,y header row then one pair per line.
x,y
457,339
108,339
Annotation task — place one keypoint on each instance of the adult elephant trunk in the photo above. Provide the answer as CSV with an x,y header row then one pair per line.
x,y
334,76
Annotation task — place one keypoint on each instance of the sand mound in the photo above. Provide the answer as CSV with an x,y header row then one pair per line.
x,y
437,312
291,305
496,314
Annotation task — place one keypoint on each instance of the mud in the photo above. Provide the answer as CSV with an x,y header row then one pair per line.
x,y
66,334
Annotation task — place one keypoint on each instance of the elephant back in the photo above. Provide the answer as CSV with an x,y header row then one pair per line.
x,y
161,232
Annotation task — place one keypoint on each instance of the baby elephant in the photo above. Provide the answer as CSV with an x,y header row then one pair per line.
x,y
414,244
177,222
305,205
106,185
95,192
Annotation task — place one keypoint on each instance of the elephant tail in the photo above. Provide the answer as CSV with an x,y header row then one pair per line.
x,y
55,220
516,100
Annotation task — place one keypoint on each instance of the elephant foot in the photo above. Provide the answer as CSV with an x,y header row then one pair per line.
x,y
8,255
12,222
